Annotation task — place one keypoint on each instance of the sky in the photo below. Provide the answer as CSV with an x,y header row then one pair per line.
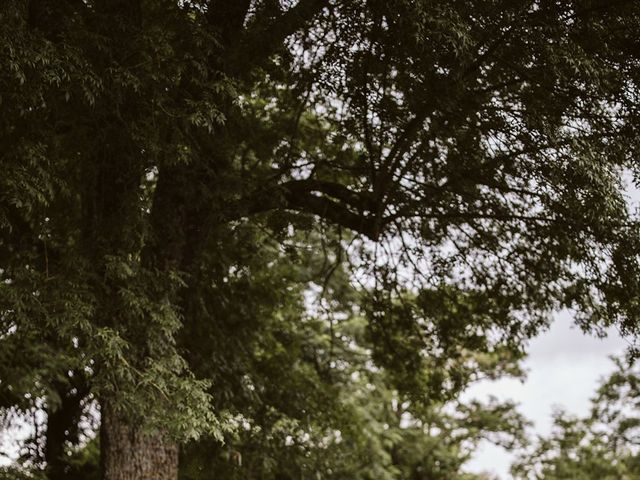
x,y
564,368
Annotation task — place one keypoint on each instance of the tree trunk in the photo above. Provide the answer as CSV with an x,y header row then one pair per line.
x,y
127,453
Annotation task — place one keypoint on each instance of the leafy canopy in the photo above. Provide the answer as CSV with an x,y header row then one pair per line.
x,y
473,154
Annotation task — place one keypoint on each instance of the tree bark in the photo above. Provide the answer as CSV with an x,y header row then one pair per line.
x,y
128,453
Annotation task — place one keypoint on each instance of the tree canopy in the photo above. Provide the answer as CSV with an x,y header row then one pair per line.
x,y
169,168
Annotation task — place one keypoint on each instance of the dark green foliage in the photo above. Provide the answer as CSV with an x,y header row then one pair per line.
x,y
311,403
168,168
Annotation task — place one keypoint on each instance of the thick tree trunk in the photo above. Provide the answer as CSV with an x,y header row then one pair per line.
x,y
130,454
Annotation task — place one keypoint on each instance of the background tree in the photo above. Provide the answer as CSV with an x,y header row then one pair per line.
x,y
318,406
603,445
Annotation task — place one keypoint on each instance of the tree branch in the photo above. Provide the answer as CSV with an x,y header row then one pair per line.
x,y
331,201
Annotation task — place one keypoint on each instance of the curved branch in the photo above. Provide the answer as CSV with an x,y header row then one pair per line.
x,y
331,201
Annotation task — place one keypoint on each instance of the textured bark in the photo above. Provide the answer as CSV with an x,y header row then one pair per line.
x,y
130,454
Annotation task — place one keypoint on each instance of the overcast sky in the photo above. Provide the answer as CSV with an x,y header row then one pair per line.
x,y
564,369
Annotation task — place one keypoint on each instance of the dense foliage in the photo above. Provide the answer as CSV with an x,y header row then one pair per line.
x,y
170,167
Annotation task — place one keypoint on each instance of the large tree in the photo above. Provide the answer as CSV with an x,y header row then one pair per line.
x,y
291,366
477,150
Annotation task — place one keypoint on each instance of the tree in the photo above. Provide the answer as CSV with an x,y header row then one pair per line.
x,y
300,388
476,150
603,445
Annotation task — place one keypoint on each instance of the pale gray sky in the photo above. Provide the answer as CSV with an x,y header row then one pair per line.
x,y
564,369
